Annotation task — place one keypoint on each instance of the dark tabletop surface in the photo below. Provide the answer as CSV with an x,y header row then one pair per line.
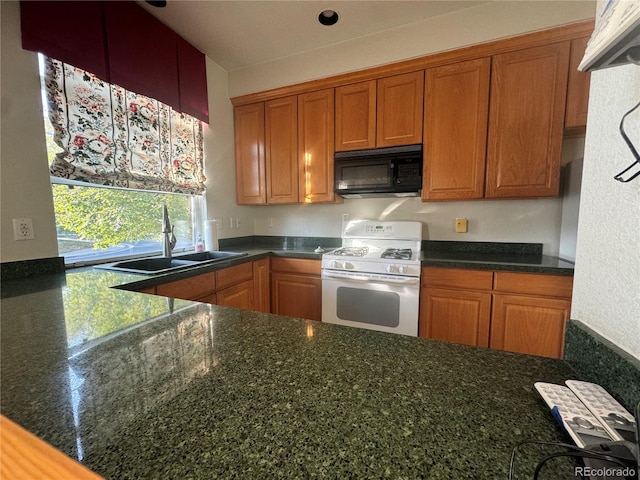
x,y
140,386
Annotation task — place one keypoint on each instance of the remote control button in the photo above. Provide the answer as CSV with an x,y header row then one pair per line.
x,y
619,419
583,422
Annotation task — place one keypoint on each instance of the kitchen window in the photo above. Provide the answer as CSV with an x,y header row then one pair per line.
x,y
115,158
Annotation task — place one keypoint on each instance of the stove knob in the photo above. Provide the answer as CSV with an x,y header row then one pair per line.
x,y
402,269
349,266
391,268
336,264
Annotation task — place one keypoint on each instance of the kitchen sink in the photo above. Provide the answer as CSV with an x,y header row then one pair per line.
x,y
157,265
207,256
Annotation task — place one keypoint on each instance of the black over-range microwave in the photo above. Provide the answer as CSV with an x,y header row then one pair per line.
x,y
379,172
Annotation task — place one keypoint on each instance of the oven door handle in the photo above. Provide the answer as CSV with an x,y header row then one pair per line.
x,y
366,278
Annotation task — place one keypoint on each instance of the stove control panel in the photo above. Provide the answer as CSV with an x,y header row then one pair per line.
x,y
391,268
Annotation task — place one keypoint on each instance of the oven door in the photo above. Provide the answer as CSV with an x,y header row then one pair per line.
x,y
375,302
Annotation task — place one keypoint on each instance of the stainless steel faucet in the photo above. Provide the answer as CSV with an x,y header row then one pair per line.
x,y
168,238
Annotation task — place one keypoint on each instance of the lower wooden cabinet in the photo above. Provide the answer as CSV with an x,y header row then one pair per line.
x,y
467,313
244,286
296,287
517,312
196,288
533,325
237,296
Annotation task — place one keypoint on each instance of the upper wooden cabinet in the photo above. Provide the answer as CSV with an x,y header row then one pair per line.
x,y
281,147
250,156
316,146
284,150
399,109
380,113
455,130
356,116
578,88
526,121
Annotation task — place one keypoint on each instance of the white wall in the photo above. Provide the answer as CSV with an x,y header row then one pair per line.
x,y
25,190
606,292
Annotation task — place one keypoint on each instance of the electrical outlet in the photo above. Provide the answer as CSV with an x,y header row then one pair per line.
x,y
238,222
461,225
270,222
23,229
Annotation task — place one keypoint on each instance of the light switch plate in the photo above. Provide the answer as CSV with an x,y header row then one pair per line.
x,y
461,225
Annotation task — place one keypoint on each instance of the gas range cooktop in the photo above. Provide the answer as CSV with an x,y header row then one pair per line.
x,y
372,246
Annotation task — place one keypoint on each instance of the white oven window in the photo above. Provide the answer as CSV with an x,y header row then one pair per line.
x,y
368,306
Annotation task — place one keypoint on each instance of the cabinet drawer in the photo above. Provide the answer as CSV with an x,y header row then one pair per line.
x,y
457,278
533,284
191,288
296,265
234,275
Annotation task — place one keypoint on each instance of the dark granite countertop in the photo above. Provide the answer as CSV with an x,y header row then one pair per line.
x,y
513,257
140,386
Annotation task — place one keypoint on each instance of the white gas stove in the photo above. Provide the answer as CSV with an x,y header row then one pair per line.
x,y
372,281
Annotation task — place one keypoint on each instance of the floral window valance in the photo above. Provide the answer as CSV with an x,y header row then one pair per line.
x,y
113,137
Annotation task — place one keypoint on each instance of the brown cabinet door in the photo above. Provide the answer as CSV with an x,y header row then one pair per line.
x,y
238,296
356,116
250,156
455,130
578,87
316,146
296,295
234,275
399,109
526,121
261,297
192,288
531,325
455,316
281,130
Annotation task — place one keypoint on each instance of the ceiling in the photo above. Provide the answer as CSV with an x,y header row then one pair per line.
x,y
237,34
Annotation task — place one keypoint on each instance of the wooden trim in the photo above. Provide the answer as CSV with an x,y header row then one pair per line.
x,y
26,456
541,37
533,284
457,278
233,275
296,265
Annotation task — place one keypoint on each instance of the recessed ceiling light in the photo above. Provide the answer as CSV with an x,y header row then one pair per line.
x,y
328,17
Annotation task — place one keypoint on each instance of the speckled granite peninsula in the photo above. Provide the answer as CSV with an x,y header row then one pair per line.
x,y
137,386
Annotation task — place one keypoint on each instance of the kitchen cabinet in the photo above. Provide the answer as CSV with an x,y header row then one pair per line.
x,y
244,286
456,111
281,150
284,150
380,113
261,275
455,305
529,313
296,287
249,128
399,109
517,312
578,89
526,121
356,116
200,288
316,146
235,286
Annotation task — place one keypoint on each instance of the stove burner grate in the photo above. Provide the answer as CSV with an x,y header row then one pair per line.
x,y
351,251
397,253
